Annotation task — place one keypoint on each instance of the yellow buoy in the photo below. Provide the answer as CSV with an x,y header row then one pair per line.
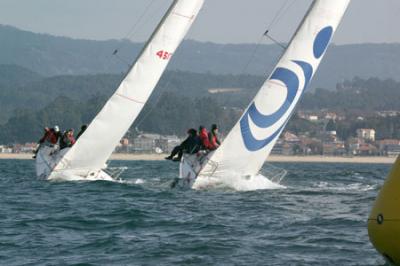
x,y
384,220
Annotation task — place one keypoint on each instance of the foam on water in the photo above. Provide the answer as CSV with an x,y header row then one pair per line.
x,y
68,177
345,187
99,223
139,181
238,183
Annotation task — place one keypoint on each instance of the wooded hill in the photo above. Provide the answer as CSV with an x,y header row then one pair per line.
x,y
181,100
49,56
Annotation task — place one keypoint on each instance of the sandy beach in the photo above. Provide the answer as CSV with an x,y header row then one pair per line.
x,y
298,159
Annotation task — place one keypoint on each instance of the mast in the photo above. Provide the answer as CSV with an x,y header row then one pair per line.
x,y
95,146
250,142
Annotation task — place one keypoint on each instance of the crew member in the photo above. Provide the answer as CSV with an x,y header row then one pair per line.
x,y
213,137
83,128
190,145
50,138
205,142
68,139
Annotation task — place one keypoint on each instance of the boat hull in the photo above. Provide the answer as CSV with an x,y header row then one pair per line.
x,y
189,168
46,160
48,157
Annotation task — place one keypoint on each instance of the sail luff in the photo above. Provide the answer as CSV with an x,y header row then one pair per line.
x,y
94,147
250,142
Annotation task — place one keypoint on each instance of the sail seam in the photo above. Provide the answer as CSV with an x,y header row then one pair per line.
x,y
128,98
184,16
276,83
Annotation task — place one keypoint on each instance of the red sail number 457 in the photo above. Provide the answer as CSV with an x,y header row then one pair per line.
x,y
164,55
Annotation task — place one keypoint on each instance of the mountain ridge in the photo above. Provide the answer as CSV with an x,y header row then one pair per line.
x,y
50,55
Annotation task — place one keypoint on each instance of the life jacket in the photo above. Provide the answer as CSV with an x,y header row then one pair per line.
x,y
53,137
72,140
67,141
50,136
205,142
213,140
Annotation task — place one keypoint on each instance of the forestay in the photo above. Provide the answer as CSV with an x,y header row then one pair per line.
x,y
250,142
95,146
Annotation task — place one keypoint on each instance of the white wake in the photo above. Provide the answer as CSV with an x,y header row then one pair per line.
x,y
238,183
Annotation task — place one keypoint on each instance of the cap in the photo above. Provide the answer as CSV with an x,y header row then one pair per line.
x,y
56,128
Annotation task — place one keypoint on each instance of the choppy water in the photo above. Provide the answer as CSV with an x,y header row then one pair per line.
x,y
318,219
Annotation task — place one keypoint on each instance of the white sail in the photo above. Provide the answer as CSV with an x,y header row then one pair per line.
x,y
250,142
95,146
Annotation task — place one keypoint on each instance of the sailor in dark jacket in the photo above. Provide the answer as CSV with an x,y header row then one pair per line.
x,y
190,145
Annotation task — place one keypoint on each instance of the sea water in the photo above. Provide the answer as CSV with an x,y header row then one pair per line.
x,y
316,216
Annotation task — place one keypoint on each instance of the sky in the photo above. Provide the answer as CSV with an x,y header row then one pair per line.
x,y
220,21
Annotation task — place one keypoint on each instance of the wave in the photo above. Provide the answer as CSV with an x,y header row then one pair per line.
x,y
345,187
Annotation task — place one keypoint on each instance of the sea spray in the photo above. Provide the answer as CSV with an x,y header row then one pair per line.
x,y
238,183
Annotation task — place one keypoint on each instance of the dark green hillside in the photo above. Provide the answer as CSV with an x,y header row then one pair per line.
x,y
50,56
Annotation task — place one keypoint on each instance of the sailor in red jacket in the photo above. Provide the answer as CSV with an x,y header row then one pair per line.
x,y
213,137
204,139
51,136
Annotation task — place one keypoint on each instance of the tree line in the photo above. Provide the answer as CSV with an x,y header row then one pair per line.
x,y
176,105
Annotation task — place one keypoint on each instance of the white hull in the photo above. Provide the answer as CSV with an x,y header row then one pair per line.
x,y
190,176
46,160
48,157
189,169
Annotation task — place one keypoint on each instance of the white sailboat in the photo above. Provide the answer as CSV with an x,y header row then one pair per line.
x,y
249,143
88,157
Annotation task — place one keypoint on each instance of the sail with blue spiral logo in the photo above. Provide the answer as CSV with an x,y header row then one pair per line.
x,y
249,143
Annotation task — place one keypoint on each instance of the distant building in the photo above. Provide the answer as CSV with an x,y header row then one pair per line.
x,y
393,150
328,136
5,149
329,116
312,118
336,148
353,144
367,149
388,113
290,137
148,143
389,147
366,134
28,148
278,148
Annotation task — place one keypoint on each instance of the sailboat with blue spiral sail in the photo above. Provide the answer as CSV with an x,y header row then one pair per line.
x,y
88,156
248,145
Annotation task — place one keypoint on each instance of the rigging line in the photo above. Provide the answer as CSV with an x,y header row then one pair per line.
x,y
273,21
282,11
266,34
133,30
278,16
252,54
115,52
121,59
162,91
285,10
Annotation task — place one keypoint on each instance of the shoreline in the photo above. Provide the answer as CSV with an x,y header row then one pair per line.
x,y
271,159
